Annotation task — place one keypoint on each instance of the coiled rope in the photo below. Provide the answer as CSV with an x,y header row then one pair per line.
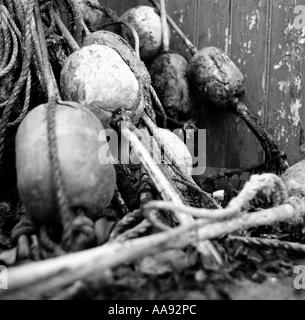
x,y
25,70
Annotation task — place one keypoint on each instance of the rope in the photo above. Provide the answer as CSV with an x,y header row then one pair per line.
x,y
48,245
145,189
27,56
269,244
56,173
78,230
139,231
52,24
80,234
159,105
14,34
132,30
25,226
190,185
129,221
10,6
6,43
119,203
12,22
154,217
20,13
1,45
26,102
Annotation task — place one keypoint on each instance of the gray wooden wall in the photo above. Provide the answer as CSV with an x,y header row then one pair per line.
x,y
259,36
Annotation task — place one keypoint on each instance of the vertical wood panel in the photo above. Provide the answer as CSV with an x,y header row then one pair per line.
x,y
214,25
184,13
248,51
286,114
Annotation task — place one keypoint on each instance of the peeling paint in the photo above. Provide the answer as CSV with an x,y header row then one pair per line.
x,y
295,112
278,66
253,20
209,35
287,85
281,112
284,86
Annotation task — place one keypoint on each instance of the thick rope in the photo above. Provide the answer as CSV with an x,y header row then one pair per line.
x,y
9,4
159,105
56,173
9,24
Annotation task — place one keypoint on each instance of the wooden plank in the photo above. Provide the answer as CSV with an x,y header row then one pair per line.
x,y
286,113
213,27
184,12
249,52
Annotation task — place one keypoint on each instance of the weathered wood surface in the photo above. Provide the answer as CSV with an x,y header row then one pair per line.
x,y
213,25
286,110
248,49
260,37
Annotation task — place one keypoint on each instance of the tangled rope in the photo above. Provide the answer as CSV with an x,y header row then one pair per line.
x,y
24,75
11,32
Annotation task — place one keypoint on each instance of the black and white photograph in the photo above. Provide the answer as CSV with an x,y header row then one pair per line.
x,y
152,151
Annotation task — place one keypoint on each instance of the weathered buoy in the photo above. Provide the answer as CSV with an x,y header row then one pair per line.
x,y
89,184
147,23
127,53
97,76
168,73
216,77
